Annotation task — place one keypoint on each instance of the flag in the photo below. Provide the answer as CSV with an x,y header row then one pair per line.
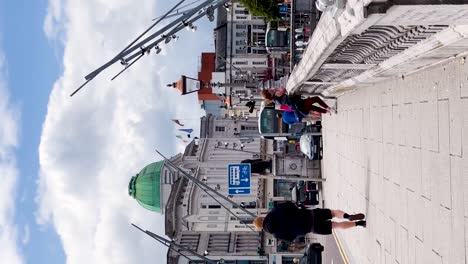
x,y
179,136
188,130
177,122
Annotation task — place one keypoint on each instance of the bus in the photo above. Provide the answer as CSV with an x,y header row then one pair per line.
x,y
277,39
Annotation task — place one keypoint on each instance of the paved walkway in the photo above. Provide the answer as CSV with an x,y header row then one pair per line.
x,y
398,151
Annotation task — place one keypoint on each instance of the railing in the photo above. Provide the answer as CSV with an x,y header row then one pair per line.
x,y
370,41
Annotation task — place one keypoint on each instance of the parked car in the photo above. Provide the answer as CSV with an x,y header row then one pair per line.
x,y
311,146
305,193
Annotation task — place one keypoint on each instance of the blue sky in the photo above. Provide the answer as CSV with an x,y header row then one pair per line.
x,y
65,162
33,65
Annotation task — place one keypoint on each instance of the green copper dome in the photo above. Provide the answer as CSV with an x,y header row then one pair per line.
x,y
145,186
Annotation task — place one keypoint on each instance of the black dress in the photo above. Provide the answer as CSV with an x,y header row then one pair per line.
x,y
287,221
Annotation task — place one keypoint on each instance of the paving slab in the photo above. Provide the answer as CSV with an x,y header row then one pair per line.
x,y
398,150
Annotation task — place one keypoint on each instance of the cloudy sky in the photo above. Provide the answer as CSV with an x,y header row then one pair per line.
x,y
65,162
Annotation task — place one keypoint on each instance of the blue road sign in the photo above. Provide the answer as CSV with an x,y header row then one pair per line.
x,y
283,9
237,191
239,179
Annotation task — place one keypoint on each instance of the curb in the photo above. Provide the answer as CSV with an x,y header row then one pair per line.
x,y
341,249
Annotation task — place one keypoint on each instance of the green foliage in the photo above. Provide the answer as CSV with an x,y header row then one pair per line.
x,y
264,8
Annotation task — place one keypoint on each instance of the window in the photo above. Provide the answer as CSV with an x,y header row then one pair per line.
x,y
241,26
258,62
211,226
173,177
259,27
262,51
241,62
241,12
240,42
220,129
246,220
287,259
241,51
214,206
167,178
241,34
241,17
248,128
208,218
241,92
282,188
250,205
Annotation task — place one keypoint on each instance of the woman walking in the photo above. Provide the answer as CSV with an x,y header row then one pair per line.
x,y
287,221
306,106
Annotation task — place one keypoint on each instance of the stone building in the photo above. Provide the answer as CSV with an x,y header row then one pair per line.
x,y
193,218
241,57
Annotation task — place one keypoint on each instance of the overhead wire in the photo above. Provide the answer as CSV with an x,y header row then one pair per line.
x,y
177,10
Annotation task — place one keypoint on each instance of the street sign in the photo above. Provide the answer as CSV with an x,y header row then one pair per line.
x,y
283,9
239,179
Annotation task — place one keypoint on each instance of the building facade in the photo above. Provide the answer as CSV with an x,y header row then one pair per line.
x,y
194,218
202,221
247,54
241,55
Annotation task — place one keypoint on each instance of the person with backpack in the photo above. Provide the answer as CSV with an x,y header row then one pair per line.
x,y
287,220
305,106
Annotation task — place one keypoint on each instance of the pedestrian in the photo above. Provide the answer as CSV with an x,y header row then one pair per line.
x,y
258,165
286,221
280,96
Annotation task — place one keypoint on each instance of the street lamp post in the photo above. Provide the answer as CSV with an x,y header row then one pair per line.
x,y
135,51
187,85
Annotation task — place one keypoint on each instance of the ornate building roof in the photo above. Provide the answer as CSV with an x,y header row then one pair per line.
x,y
145,186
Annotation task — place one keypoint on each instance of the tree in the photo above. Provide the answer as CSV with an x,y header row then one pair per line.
x,y
264,8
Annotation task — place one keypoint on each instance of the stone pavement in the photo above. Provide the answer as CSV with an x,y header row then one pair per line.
x,y
398,151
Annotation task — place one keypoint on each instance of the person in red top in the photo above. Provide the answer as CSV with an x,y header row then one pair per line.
x,y
306,106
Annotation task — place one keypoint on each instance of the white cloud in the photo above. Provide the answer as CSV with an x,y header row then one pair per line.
x,y
26,235
92,143
52,26
9,117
